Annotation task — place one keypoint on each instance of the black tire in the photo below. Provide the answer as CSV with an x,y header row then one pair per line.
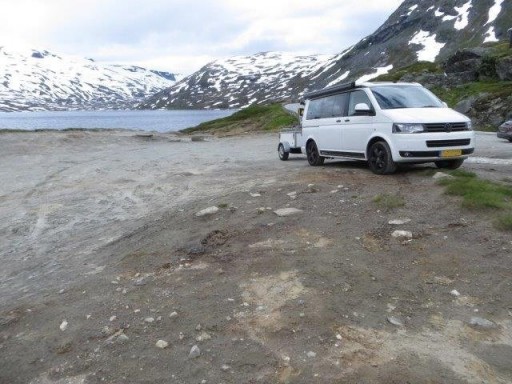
x,y
314,158
510,140
449,164
283,155
380,159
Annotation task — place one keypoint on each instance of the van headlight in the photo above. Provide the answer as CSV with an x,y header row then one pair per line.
x,y
469,124
408,128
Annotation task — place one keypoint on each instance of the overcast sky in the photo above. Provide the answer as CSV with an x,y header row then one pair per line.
x,y
183,35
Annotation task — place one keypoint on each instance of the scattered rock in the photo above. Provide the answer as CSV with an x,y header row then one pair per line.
x,y
174,314
442,175
395,321
63,325
225,367
162,344
455,293
255,194
197,138
113,318
284,212
122,338
203,336
149,320
311,354
195,352
399,221
481,322
402,234
139,282
207,211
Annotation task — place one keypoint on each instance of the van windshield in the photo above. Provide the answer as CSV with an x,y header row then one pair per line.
x,y
395,97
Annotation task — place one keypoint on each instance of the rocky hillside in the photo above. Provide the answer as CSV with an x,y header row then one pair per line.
x,y
427,30
37,80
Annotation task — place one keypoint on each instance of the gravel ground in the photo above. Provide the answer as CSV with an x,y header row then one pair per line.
x,y
136,259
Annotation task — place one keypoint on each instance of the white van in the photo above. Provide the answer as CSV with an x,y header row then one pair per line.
x,y
384,124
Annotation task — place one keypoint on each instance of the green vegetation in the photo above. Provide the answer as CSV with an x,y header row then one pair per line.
x,y
254,118
452,96
419,67
388,202
479,194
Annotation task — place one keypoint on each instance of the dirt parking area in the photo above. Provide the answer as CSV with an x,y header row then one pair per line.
x,y
136,259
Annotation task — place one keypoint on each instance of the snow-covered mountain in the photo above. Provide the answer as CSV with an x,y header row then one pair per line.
x,y
40,80
240,81
419,30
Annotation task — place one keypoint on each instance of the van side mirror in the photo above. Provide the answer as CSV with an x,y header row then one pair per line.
x,y
363,109
301,111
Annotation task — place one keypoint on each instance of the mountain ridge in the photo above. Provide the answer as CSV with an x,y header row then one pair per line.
x,y
429,30
35,80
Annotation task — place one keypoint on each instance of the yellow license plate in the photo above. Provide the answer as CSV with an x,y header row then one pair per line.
x,y
451,153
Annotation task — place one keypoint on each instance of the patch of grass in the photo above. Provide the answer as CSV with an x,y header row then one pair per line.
x,y
479,194
388,202
222,205
504,222
452,96
254,118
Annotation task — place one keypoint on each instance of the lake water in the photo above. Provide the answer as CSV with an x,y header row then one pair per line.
x,y
160,121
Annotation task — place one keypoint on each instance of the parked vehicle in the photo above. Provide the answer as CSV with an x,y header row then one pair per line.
x,y
385,124
505,130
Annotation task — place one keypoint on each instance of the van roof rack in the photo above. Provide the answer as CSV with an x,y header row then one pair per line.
x,y
330,90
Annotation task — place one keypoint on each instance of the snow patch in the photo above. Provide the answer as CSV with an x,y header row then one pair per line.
x,y
490,36
431,47
494,12
339,79
463,17
379,71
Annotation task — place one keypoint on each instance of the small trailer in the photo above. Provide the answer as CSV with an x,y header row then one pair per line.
x,y
290,141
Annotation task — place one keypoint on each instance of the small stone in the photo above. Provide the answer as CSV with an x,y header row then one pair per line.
x,y
113,318
225,367
284,212
292,194
162,344
402,234
399,221
198,327
173,315
481,322
455,293
395,321
122,338
338,336
255,194
63,325
311,354
207,211
149,320
203,336
195,352
442,175
140,282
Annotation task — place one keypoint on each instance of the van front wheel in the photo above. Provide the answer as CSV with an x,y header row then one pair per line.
x,y
380,159
313,154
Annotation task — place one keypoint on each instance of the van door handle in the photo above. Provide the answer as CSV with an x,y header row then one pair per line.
x,y
338,121
347,120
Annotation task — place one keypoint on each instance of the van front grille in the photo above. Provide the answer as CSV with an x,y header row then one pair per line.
x,y
447,143
446,127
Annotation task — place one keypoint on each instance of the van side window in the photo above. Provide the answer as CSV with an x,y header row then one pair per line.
x,y
357,97
326,107
313,109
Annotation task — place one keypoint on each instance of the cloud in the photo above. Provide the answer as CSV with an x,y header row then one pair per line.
x,y
177,35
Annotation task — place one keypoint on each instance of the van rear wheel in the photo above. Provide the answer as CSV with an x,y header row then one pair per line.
x,y
380,159
449,164
313,154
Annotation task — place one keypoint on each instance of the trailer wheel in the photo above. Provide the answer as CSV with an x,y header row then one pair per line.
x,y
283,155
